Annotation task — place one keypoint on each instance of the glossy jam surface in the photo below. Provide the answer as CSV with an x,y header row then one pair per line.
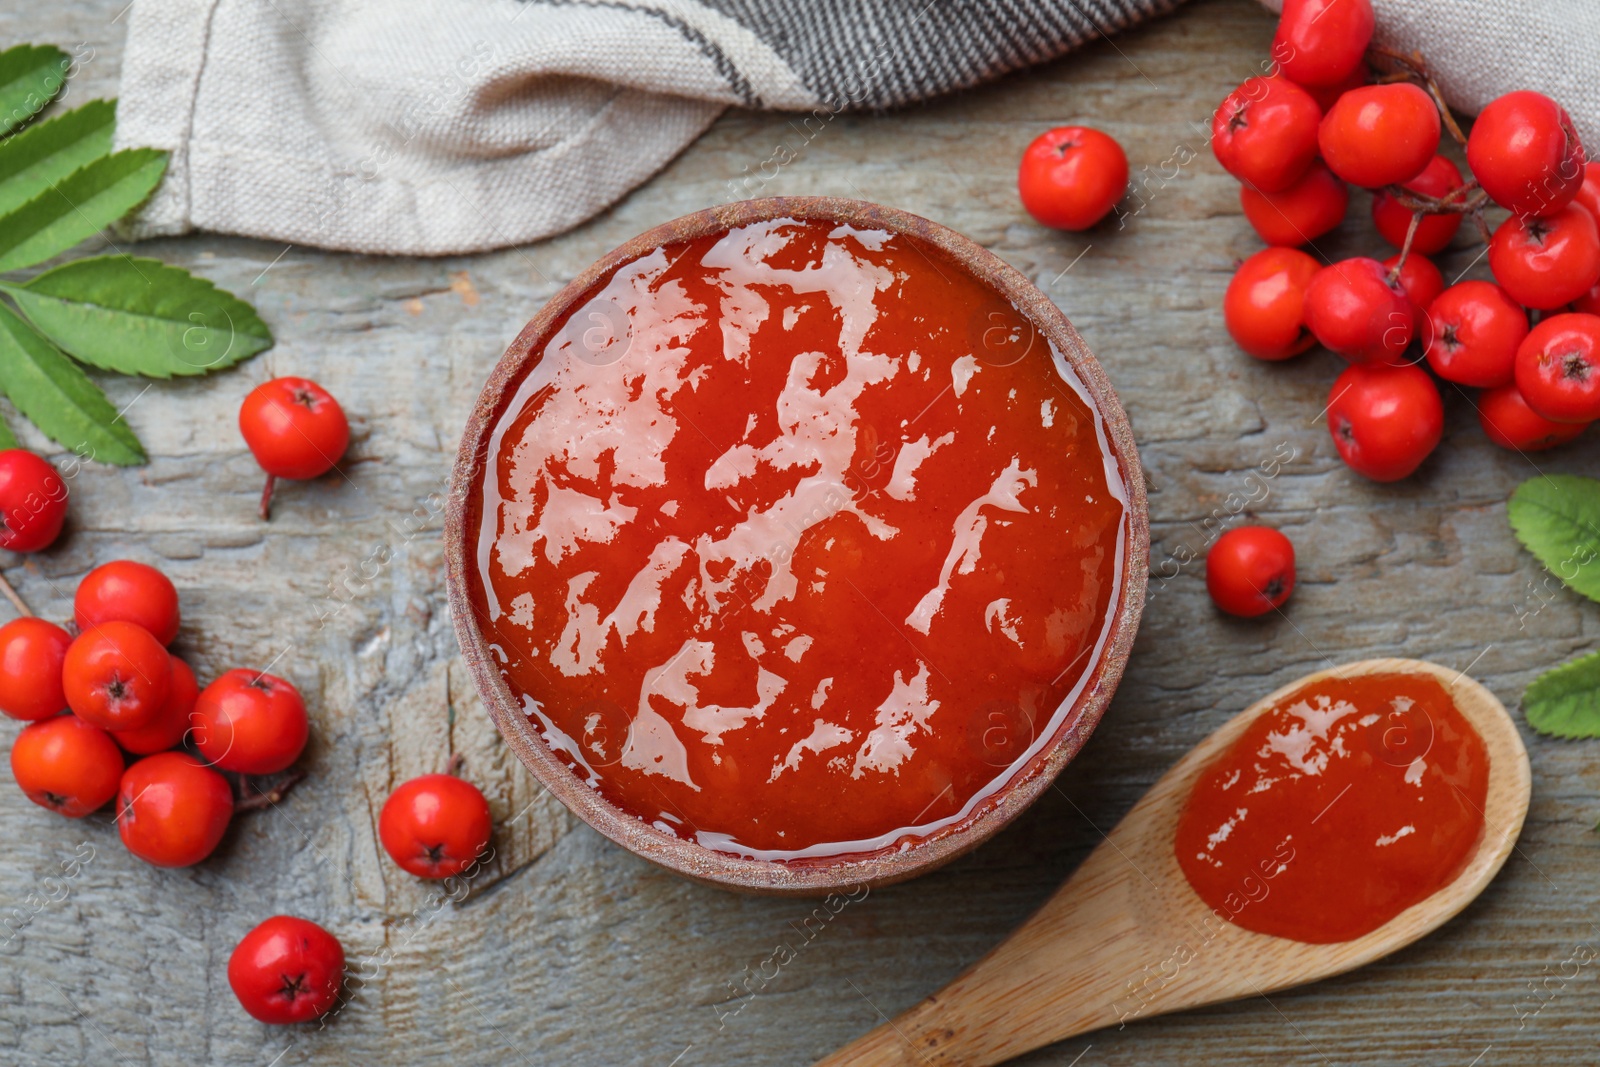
x,y
1342,806
798,541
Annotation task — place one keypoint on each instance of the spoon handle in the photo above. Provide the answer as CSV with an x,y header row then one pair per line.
x,y
1057,975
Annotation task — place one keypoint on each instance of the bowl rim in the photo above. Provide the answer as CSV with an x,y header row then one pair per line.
x,y
824,875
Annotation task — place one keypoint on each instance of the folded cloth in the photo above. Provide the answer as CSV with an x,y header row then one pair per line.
x,y
435,126
426,127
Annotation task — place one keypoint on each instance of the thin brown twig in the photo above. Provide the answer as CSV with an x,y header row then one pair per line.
x,y
1445,115
1424,204
1455,202
1405,249
16,598
1411,61
265,507
273,796
1483,226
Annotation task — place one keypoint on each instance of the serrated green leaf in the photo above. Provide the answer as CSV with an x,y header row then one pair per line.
x,y
140,316
7,438
47,152
1565,701
79,206
30,77
56,396
1557,518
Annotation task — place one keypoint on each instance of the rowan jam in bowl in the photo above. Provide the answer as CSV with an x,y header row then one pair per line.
x,y
797,544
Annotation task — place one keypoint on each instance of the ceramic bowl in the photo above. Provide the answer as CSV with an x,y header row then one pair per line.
x,y
823,875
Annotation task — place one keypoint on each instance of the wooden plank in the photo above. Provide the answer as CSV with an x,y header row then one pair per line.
x,y
570,952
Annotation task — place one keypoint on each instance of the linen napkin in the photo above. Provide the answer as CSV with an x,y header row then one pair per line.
x,y
425,127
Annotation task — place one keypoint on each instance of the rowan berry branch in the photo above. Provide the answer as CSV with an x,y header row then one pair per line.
x,y
1449,204
1468,199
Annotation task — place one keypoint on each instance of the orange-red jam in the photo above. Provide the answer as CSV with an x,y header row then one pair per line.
x,y
1346,803
798,540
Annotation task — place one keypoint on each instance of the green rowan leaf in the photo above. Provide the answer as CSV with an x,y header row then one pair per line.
x,y
79,206
1557,518
1565,701
30,77
141,316
56,396
49,151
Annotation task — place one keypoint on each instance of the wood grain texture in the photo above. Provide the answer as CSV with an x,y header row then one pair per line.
x,y
569,951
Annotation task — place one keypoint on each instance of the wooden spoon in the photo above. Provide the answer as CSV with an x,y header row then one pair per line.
x,y
1126,937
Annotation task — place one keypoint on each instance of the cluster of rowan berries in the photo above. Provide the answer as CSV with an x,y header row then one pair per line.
x,y
123,691
114,715
1338,113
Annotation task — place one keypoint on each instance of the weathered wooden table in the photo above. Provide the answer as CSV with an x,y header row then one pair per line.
x,y
569,951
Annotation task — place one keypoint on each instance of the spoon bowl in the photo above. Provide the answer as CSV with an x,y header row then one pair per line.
x,y
1127,937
